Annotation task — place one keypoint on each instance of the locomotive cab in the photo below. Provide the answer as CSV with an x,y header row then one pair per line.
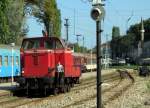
x,y
40,57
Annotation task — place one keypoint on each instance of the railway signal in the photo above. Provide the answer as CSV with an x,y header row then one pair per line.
x,y
97,14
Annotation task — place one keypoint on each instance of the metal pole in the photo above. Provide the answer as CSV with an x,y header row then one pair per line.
x,y
91,60
142,34
78,40
74,21
98,37
106,53
83,44
12,78
67,26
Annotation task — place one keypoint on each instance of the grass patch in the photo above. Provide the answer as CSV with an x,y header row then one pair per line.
x,y
148,86
135,67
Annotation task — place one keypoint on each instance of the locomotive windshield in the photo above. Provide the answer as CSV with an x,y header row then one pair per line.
x,y
31,44
41,43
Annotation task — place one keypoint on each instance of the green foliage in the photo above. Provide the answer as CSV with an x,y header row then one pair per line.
x,y
4,28
115,41
11,20
124,44
77,48
46,12
135,67
81,49
148,86
135,29
115,32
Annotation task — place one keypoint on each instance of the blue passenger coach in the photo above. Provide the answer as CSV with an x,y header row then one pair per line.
x,y
9,60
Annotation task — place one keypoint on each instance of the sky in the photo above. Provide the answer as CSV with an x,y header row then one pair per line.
x,y
80,23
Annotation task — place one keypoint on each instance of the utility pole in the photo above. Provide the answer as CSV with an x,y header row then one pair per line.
x,y
67,26
78,41
141,42
106,52
142,34
91,59
97,14
74,21
78,38
83,45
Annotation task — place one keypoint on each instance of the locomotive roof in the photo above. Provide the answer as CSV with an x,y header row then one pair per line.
x,y
45,37
41,37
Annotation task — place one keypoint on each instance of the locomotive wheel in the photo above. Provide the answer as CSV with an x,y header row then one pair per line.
x,y
55,91
27,92
72,84
64,89
77,81
45,91
68,88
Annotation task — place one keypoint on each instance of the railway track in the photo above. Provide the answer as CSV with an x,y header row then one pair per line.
x,y
116,90
13,102
79,102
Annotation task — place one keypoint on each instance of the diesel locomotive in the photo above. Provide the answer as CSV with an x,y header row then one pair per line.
x,y
47,64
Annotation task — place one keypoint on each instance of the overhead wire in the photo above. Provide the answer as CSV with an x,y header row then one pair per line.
x,y
82,14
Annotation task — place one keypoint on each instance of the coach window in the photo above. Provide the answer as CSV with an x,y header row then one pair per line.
x,y
17,60
12,60
6,60
0,61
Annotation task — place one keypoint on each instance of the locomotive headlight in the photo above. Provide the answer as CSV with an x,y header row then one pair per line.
x,y
22,72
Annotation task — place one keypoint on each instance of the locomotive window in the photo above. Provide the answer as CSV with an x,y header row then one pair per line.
x,y
30,44
58,45
0,61
6,60
36,44
17,60
48,44
12,60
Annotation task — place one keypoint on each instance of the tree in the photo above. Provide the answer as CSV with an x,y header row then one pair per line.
x,y
135,29
115,32
4,28
122,45
115,41
126,44
16,20
77,48
46,12
11,20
